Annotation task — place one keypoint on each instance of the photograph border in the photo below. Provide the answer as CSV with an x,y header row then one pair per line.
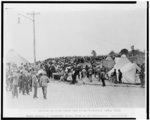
x,y
74,2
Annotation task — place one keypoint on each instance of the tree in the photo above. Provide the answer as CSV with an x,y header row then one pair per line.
x,y
132,47
93,53
124,51
112,53
132,50
138,52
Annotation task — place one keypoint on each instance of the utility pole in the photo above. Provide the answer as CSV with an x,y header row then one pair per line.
x,y
34,38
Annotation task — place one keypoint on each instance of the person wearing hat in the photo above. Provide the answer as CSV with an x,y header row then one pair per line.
x,y
25,83
10,81
102,76
114,75
99,73
70,73
120,76
74,76
35,84
44,83
29,82
20,82
15,84
94,71
84,75
90,71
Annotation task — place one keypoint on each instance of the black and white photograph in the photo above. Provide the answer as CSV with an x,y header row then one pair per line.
x,y
75,59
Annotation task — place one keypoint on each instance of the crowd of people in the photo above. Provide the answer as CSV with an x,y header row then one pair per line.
x,y
30,77
24,81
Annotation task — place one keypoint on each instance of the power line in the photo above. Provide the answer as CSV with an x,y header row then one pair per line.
x,y
32,18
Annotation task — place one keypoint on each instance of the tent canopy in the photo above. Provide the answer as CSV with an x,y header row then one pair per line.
x,y
14,58
130,66
129,73
122,61
117,59
127,68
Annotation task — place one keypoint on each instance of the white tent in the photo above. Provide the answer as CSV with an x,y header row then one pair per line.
x,y
127,68
117,59
122,61
14,58
129,73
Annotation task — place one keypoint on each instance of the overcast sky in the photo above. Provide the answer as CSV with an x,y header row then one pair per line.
x,y
74,29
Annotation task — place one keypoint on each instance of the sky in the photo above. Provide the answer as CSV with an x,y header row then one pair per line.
x,y
74,29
